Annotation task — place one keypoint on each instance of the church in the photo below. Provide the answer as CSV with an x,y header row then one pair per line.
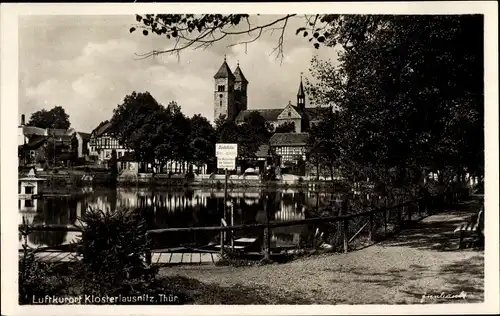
x,y
231,101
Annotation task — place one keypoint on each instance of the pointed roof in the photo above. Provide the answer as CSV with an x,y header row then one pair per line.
x,y
238,74
301,89
224,71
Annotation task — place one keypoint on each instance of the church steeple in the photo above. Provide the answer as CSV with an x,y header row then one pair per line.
x,y
301,96
224,93
240,89
224,71
238,75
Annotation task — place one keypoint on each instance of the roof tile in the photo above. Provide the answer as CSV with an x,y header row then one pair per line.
x,y
224,72
288,139
267,114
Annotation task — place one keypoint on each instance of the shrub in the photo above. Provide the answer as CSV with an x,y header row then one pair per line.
x,y
112,246
34,276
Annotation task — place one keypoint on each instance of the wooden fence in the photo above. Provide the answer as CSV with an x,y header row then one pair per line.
x,y
376,223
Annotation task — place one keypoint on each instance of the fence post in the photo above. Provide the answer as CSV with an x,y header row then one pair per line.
x,y
345,235
314,236
370,232
267,232
148,252
385,217
400,215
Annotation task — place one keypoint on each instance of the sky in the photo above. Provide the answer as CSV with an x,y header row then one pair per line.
x,y
88,64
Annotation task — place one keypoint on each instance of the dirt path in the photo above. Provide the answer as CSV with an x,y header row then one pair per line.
x,y
424,259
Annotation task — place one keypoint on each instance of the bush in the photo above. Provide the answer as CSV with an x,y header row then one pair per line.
x,y
113,246
34,277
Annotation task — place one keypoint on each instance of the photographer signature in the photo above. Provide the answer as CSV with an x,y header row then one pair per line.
x,y
443,295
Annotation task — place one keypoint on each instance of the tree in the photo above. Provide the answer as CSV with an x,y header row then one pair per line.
x,y
54,118
54,150
113,165
287,127
226,130
141,124
176,136
325,143
403,104
202,140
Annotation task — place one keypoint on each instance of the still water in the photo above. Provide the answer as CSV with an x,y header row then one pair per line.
x,y
185,208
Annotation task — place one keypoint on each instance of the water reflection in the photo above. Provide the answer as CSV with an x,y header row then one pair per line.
x,y
188,208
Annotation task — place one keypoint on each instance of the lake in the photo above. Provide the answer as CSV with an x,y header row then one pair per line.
x,y
183,208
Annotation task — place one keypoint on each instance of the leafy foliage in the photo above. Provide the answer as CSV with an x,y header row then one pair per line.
x,y
32,273
409,94
202,140
54,118
156,134
112,246
113,165
249,135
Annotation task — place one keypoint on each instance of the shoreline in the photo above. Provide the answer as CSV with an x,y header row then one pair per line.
x,y
80,179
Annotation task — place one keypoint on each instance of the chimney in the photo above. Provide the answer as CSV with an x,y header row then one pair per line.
x,y
22,119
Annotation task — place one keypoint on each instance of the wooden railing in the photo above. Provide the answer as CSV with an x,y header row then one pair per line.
x,y
396,216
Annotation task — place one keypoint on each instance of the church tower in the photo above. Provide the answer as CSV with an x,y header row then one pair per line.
x,y
301,97
240,89
224,93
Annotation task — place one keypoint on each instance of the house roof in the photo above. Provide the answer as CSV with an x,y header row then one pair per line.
x,y
263,151
85,136
238,75
33,130
288,139
61,138
36,142
267,114
57,131
224,72
102,128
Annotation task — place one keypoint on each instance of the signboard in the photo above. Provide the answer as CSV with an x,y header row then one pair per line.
x,y
226,163
226,150
226,155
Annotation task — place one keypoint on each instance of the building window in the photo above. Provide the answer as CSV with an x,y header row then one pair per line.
x,y
289,114
28,203
120,153
28,190
221,102
220,88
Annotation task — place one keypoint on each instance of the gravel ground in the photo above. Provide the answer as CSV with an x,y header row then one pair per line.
x,y
400,270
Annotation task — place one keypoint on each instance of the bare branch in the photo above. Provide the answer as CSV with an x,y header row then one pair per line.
x,y
279,48
209,35
247,42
